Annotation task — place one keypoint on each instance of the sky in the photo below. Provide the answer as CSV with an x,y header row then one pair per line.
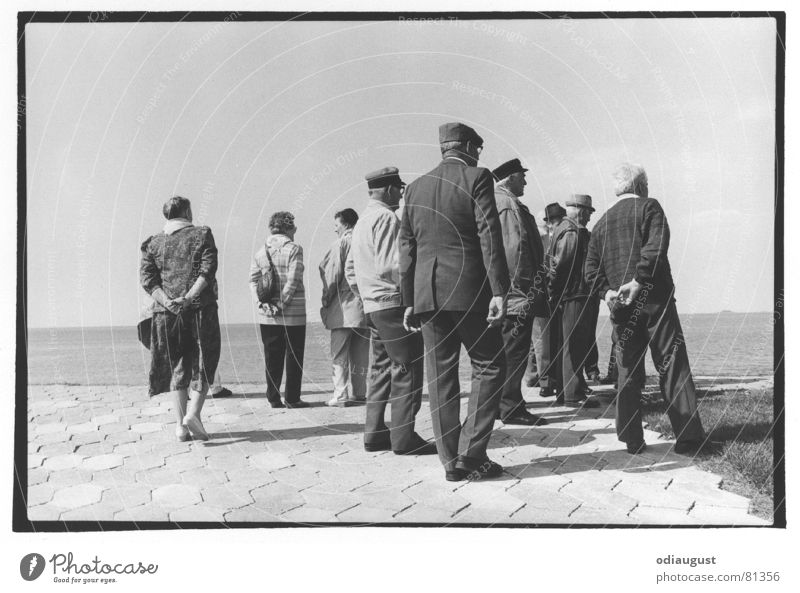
x,y
245,119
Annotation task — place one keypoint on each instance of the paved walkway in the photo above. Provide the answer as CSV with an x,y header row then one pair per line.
x,y
109,453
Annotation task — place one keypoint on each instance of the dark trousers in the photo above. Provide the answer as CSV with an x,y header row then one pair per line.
x,y
590,315
658,326
444,332
283,343
395,378
612,359
572,347
516,342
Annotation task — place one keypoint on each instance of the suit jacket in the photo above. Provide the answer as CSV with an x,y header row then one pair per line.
x,y
451,241
524,255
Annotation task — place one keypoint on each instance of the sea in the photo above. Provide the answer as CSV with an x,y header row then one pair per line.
x,y
720,345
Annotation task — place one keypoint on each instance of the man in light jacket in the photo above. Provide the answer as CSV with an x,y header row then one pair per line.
x,y
525,257
343,314
373,272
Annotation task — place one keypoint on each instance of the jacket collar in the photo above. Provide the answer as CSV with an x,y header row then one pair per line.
x,y
176,224
455,158
277,240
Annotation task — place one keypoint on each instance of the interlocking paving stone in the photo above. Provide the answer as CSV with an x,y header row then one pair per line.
x,y
68,477
715,515
127,496
198,513
101,511
229,496
52,428
39,494
176,496
278,466
307,514
95,449
251,514
145,512
37,476
77,496
35,460
185,461
82,427
270,461
147,427
331,501
203,476
117,476
277,498
101,462
44,512
654,515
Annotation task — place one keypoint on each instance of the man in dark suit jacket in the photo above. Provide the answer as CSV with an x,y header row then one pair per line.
x,y
452,271
627,266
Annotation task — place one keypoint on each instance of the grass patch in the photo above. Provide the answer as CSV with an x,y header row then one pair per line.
x,y
742,423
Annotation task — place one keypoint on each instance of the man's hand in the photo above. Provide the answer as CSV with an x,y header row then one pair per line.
x,y
174,306
497,310
627,293
610,297
410,321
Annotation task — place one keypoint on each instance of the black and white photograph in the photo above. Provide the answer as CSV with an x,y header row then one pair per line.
x,y
463,272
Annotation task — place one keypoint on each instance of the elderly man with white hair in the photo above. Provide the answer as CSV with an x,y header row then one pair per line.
x,y
627,266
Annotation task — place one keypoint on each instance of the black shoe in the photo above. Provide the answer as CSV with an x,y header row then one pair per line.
x,y
378,446
532,380
634,448
548,392
588,391
224,392
277,404
298,404
560,398
478,469
455,475
608,380
524,418
583,403
695,447
419,446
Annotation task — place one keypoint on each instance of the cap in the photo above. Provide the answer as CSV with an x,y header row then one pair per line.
x,y
458,132
385,177
508,168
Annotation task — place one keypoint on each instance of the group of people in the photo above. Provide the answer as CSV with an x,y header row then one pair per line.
x,y
465,265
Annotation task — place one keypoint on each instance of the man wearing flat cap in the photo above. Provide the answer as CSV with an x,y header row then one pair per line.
x,y
569,294
454,279
372,270
544,359
527,296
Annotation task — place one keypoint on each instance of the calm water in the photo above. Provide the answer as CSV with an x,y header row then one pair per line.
x,y
727,344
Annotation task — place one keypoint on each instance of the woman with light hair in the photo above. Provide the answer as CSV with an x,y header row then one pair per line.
x,y
178,270
282,318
